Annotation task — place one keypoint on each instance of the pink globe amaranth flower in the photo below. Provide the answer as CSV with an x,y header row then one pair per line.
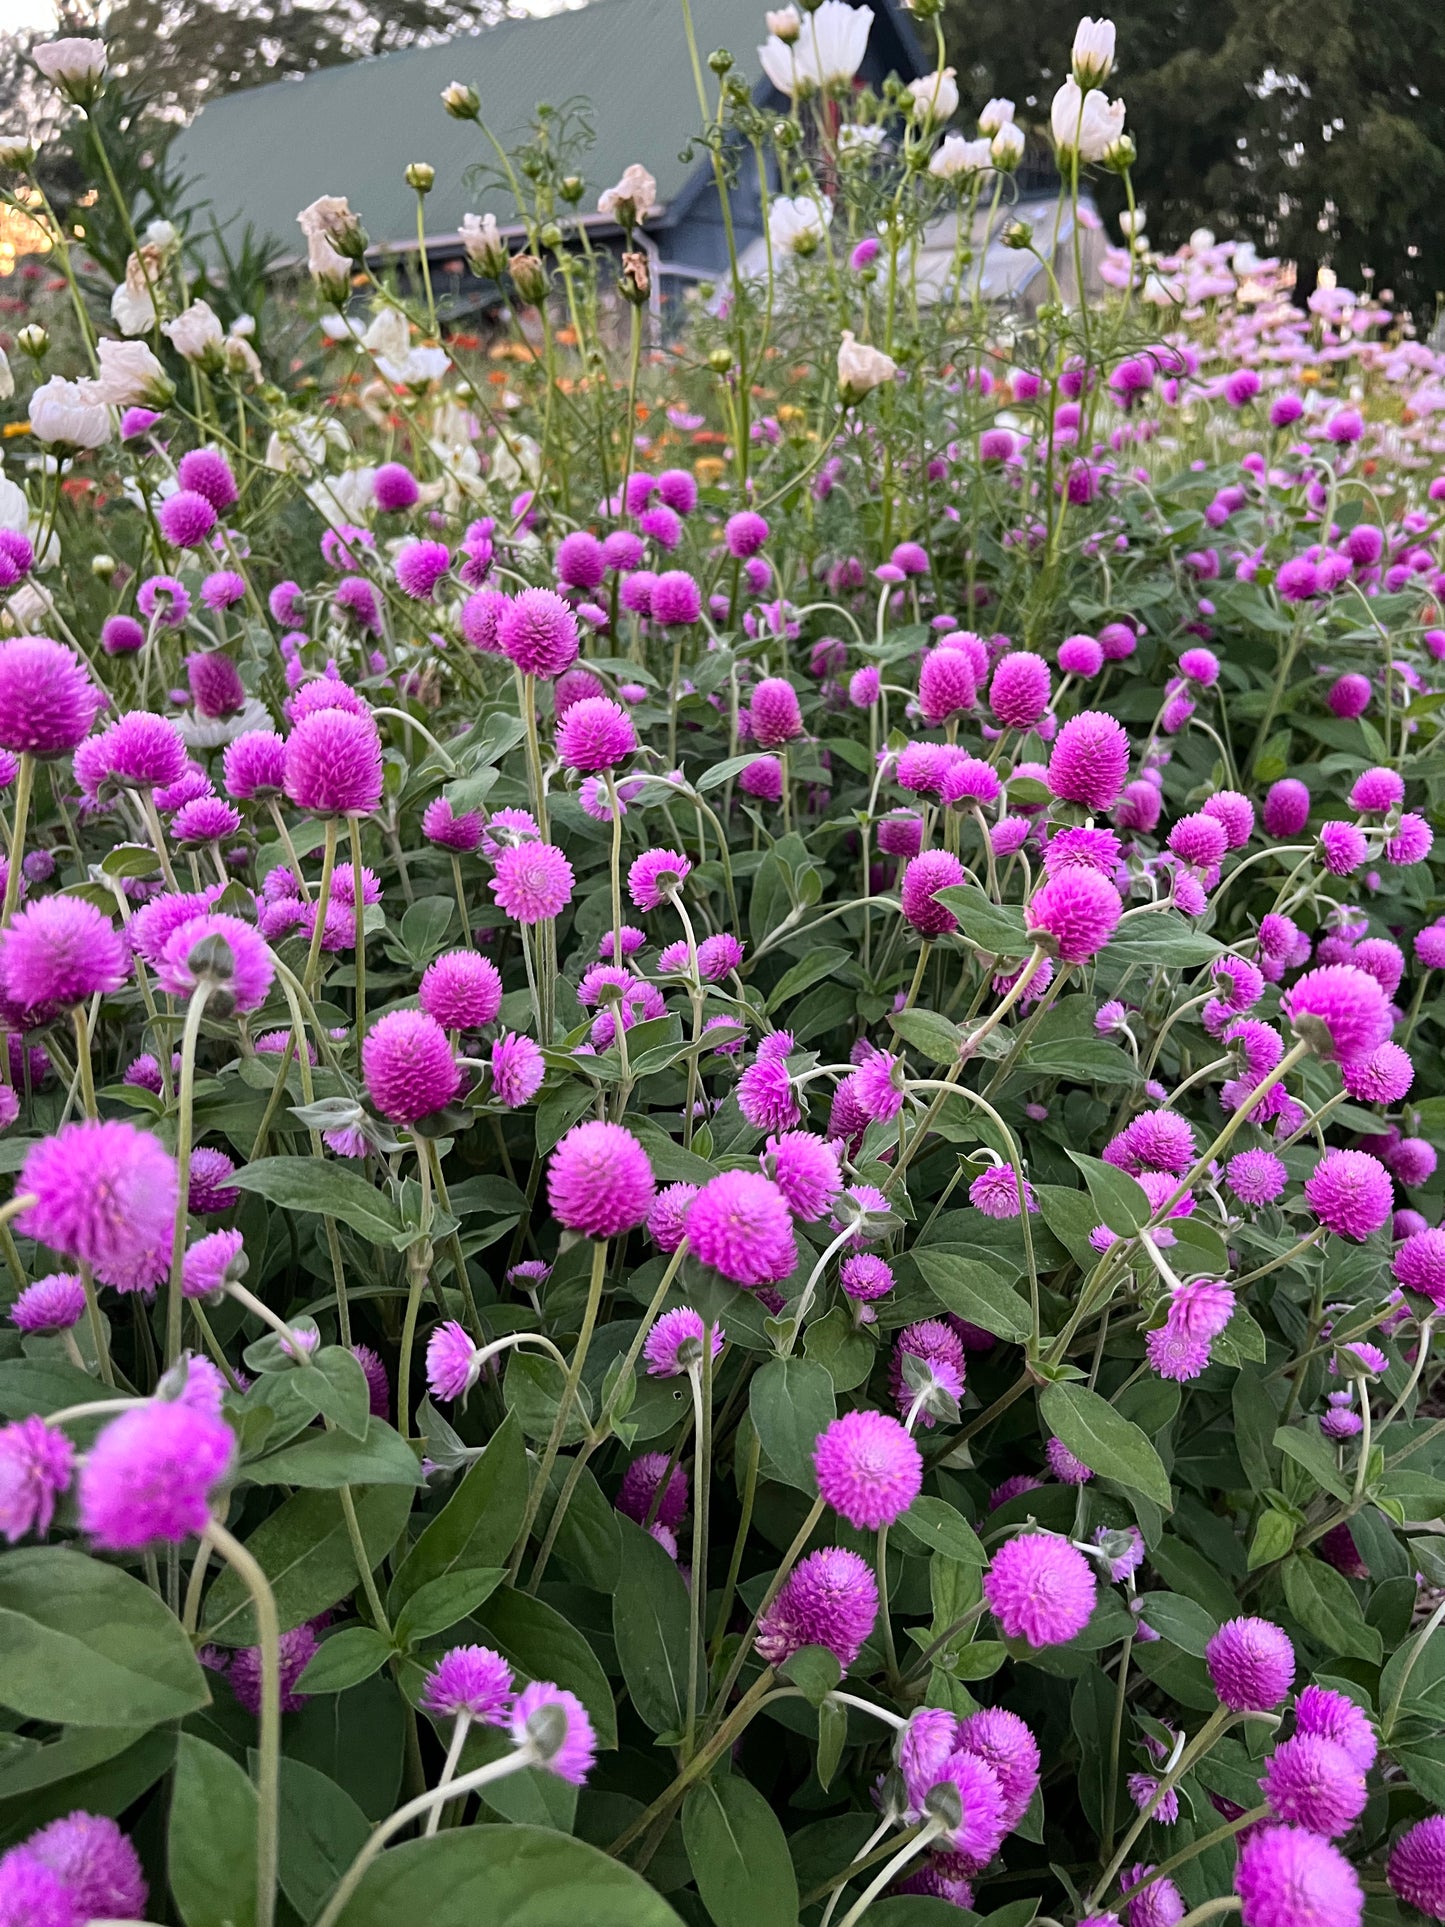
x,y
150,1475
538,632
162,598
1198,839
518,1070
1289,1877
805,1169
298,1648
121,636
639,1488
287,603
408,1065
1430,946
580,561
1256,1177
1416,1870
900,833
662,526
143,751
995,1193
574,686
208,1190
215,683
325,692
1159,1904
599,1181
762,779
555,1723
969,780
980,1830
1286,807
333,764
1411,842
1064,1466
924,1747
461,990
676,487
209,1264
865,686
739,1224
1381,959
1153,1141
105,1192
1419,1264
1411,1162
378,1390
595,734
481,619
52,1304
1018,692
1343,848
1082,656
206,472
654,876
865,1277
205,820
97,1864
1013,1488
1003,1741
1381,1078
394,488
1139,806
878,1086
667,1220
34,1895
1349,696
869,1469
36,1463
420,568
1089,760
828,1599
451,1361
470,1681
440,824
1351,1193
1314,1783
59,952
1175,1353
946,685
635,592
533,881
1331,1715
776,717
220,950
1076,913
1342,1010
1083,849
934,1343
667,1347
1234,813
1040,1589
1251,1663
927,873
745,533
676,599
186,519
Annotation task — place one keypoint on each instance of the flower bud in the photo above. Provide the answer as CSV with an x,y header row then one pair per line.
x,y
1007,147
103,566
17,154
571,187
720,360
1120,155
33,341
1018,234
421,175
529,278
720,61
635,284
861,368
461,101
551,235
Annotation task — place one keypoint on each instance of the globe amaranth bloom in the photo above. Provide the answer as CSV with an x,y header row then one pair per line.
x,y
533,881
667,1220
1089,760
595,734
830,1599
254,765
452,1361
1150,1902
47,699
1314,1783
1341,1010
518,1070
226,952
408,1065
599,1181
655,876
1251,1663
1018,693
471,1682
97,1864
151,1473
1074,913
441,824
59,952
538,631
995,1193
1004,1742
461,990
674,1345
34,1895
925,875
297,1649
805,1169
740,1224
1419,1264
36,1462
333,764
1416,1870
637,1496
105,1192
1351,1193
555,1723
1040,1589
50,1305
1331,1715
1289,1877
211,1262
868,1468
142,751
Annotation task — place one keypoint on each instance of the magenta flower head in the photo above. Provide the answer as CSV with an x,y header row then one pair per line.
x,y
1064,1466
143,751
378,1388
1074,914
1419,1264
1159,1904
676,599
667,1220
518,1070
739,1224
868,1468
255,765
461,990
441,825
420,568
1251,1663
47,699
1314,1783
34,1895
215,682
1288,1877
1286,807
538,632
946,685
1341,1010
554,1723
1018,693
394,488
207,472
1003,1741
105,1191
1040,1589
151,1473
1330,1715
805,1169
333,764
828,1599
1089,760
1416,1870
210,1264
639,1487
58,953
186,519
452,1366
469,1682
225,952
674,1345
926,874
53,1304
655,876
776,717
1351,1193
36,1462
533,882
595,734
96,1862
1256,1177
121,636
599,1181
580,562
745,534
408,1066
1082,656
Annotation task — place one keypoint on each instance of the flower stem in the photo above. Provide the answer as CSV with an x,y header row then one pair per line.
x,y
268,1779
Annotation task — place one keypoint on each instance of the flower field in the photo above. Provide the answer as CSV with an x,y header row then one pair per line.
x,y
722,1056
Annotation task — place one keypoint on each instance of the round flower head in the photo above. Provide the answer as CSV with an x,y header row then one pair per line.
x,y
36,1462
1251,1663
150,1475
996,1193
34,1895
53,1304
655,876
805,1169
47,699
518,1070
96,1862
739,1224
1314,1783
210,1262
214,680
599,1181
408,1065
674,1344
1159,1904
461,990
538,632
297,1650
1198,839
978,1832
776,717
580,561
556,1725
667,1220
224,951
59,952
533,881
105,1192
1234,813
828,1599
1411,842
186,519
481,619
639,1488
378,1389
924,1747
1089,760
207,819
1416,1870
676,599
121,636
1419,1264
1430,946
440,824
160,598
143,751
1343,847
325,692
865,1277
595,734
1040,1589
1286,807
1076,912
1288,1877
946,685
206,472
745,533
1018,693
394,488
935,1344
1064,1466
1004,1742
333,764
1330,1715
1351,1193
1377,791
1341,1009
451,1361
868,1468
472,1681
926,874
1082,656
420,567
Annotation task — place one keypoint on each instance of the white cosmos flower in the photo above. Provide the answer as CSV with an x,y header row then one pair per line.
x,y
828,52
798,225
196,334
7,378
860,140
861,367
389,333
131,376
785,24
415,368
1132,223
1093,58
636,190
482,241
997,113
76,66
1007,146
1084,121
957,158
73,412
935,97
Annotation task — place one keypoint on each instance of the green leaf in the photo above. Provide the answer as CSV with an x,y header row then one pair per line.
x,y
975,1291
995,928
1079,1060
440,1603
739,1855
1307,1448
1122,1204
809,970
844,1350
814,1670
478,1524
424,927
832,1738
337,1385
1183,1622
717,774
650,1624
26,1768
943,1528
35,1386
85,1644
322,1831
791,1402
932,1036
344,1659
1160,937
211,1844
305,1552
1273,1537
323,1461
505,1876
1321,1600
544,1645
1109,1445
329,1190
